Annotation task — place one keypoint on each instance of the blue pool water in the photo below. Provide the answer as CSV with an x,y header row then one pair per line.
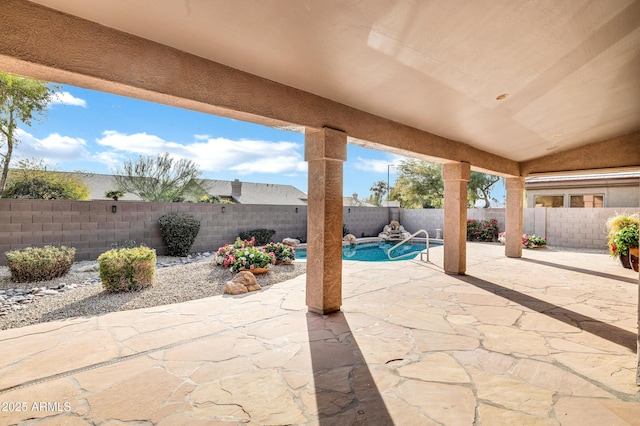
x,y
375,252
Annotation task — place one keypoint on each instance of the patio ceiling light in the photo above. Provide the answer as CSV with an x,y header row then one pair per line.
x,y
502,96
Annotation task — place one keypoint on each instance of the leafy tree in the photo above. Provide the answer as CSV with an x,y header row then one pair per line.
x,y
420,185
160,178
480,188
21,101
378,191
33,180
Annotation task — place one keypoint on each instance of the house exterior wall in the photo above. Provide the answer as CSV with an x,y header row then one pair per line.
x,y
623,196
91,226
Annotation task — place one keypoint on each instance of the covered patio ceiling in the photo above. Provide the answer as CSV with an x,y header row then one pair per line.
x,y
538,87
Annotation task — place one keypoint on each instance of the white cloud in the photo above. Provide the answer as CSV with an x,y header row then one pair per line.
x,y
53,149
244,156
66,98
201,137
378,166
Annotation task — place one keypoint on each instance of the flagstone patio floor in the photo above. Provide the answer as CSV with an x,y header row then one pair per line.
x,y
548,339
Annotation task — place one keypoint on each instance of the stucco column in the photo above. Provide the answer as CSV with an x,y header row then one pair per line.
x,y
514,217
325,150
456,178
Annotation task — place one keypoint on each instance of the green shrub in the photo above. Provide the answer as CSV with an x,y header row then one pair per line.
x,y
127,269
39,264
179,231
262,236
33,180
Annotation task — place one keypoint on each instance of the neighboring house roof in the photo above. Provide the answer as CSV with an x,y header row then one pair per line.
x,y
244,193
99,184
583,181
256,193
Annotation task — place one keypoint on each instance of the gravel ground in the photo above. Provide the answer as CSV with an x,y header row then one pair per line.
x,y
173,285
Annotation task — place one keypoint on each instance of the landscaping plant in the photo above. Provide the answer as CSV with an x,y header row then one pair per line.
x,y
260,236
625,239
482,230
39,263
283,253
614,225
533,241
127,269
179,231
243,255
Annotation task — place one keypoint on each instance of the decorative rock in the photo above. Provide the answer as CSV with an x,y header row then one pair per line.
x,y
245,278
350,238
235,288
291,242
89,268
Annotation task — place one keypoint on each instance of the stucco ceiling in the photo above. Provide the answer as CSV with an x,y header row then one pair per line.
x,y
570,69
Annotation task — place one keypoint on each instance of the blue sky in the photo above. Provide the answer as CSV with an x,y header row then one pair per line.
x,y
95,132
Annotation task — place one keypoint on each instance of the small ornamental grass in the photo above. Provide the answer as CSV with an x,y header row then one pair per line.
x,y
39,264
127,269
243,255
284,253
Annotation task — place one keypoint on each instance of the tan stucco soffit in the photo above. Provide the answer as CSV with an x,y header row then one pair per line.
x,y
42,43
621,152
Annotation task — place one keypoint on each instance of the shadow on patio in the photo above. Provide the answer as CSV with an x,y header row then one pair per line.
x,y
515,342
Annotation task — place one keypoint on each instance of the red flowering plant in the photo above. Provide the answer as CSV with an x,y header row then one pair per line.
x,y
243,255
482,230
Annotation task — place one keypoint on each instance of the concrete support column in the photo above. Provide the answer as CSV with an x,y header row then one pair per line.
x,y
456,178
514,217
325,151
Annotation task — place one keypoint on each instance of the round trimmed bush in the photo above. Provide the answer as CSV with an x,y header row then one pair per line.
x,y
127,269
179,231
39,263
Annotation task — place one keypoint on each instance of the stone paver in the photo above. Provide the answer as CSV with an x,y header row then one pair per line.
x,y
533,341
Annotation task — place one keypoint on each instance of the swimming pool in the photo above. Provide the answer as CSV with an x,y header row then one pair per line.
x,y
376,252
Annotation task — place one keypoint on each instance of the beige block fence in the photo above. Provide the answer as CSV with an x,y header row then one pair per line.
x,y
92,227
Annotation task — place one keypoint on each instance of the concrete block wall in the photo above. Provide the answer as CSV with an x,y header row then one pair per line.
x,y
583,228
488,214
365,221
414,220
92,227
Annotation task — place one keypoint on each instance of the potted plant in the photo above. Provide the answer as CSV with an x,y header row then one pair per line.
x,y
614,225
625,243
533,241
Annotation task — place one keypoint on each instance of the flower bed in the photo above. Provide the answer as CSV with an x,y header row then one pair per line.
x,y
284,254
528,241
243,255
482,230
